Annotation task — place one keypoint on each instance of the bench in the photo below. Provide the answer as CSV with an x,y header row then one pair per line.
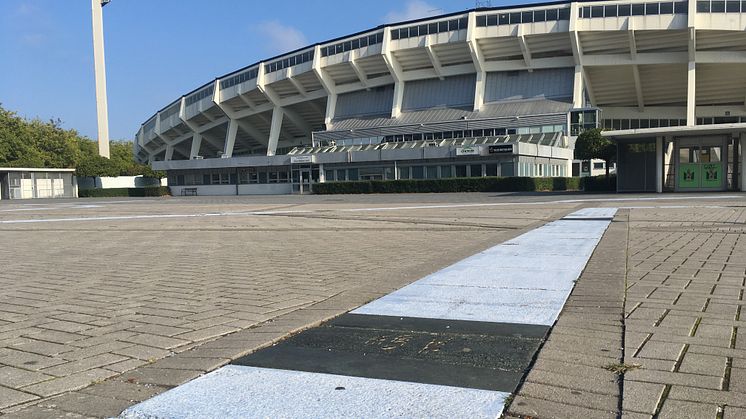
x,y
189,192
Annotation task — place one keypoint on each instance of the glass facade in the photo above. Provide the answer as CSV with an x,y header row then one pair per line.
x,y
637,9
530,16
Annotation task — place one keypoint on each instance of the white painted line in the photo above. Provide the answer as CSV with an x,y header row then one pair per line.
x,y
525,280
248,392
592,213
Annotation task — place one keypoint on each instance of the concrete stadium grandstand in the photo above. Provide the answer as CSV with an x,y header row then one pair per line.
x,y
487,92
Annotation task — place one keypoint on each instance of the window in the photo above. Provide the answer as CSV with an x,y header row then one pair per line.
x,y
610,11
598,165
703,6
551,14
733,7
666,8
404,173
418,172
341,175
585,12
442,27
717,6
476,170
638,9
515,18
651,9
564,14
445,171
481,21
491,169
540,15
460,170
329,175
527,17
432,172
353,174
625,10
597,11
504,19
680,7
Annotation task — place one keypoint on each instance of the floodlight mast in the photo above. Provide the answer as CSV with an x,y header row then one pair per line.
x,y
100,74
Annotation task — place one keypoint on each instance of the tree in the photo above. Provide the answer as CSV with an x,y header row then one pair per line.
x,y
592,145
35,143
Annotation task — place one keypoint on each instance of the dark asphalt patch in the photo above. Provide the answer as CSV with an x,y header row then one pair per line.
x,y
481,355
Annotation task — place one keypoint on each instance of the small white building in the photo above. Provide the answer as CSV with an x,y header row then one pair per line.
x,y
27,183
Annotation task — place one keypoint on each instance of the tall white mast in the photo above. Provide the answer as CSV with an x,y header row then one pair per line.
x,y
100,73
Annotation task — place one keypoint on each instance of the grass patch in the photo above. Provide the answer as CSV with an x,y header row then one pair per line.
x,y
621,368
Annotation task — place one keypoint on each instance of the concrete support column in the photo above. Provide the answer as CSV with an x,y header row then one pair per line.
x,y
659,164
691,95
331,109
274,131
398,99
196,145
742,162
100,76
322,174
169,153
479,90
230,139
577,90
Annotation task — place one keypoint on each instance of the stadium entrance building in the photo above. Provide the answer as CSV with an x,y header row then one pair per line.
x,y
487,92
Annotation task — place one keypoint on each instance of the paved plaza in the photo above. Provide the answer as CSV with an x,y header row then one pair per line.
x,y
109,302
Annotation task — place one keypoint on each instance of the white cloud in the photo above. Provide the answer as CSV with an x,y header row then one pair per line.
x,y
279,38
414,9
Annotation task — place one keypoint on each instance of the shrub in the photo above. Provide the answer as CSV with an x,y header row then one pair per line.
x,y
480,184
118,192
599,184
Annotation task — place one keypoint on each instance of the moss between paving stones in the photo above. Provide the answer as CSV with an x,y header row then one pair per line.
x,y
480,184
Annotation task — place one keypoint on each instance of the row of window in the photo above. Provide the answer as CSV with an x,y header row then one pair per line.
x,y
239,78
541,170
636,9
289,62
429,28
530,16
196,97
173,110
721,120
720,6
620,124
447,135
341,47
417,172
250,175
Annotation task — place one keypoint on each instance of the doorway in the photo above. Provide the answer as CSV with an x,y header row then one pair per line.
x,y
303,178
701,164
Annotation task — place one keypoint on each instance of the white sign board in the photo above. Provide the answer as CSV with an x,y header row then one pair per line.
x,y
301,159
467,151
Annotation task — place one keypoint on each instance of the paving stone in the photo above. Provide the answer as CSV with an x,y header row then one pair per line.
x,y
641,397
16,378
70,382
570,396
677,409
84,364
119,389
87,404
703,364
10,397
539,408
160,376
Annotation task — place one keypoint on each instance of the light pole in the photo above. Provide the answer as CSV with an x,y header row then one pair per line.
x,y
100,73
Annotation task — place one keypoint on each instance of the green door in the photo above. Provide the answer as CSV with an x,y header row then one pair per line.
x,y
701,165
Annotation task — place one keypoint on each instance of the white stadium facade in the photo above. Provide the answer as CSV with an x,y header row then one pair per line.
x,y
487,92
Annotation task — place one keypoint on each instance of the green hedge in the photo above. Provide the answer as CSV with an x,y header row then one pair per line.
x,y
114,192
599,183
480,184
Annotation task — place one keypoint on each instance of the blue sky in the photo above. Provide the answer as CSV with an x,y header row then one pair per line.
x,y
157,50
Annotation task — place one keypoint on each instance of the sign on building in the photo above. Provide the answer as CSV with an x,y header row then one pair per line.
x,y
467,151
301,159
500,149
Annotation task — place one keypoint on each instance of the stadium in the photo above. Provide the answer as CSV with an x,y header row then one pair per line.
x,y
486,92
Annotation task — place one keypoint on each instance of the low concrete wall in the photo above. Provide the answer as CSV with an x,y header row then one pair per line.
x,y
106,182
216,190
